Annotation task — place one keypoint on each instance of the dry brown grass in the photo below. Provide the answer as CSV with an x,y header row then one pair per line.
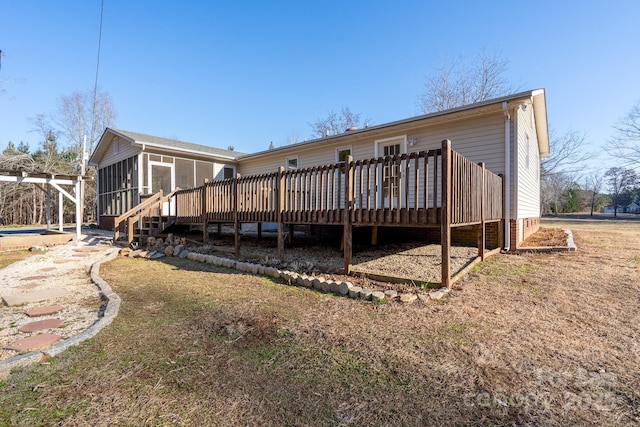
x,y
540,339
546,237
10,257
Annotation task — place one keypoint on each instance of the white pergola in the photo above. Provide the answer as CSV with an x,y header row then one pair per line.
x,y
54,181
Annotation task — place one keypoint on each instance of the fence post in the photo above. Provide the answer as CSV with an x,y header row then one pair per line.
x,y
346,215
203,211
445,221
482,235
236,223
280,210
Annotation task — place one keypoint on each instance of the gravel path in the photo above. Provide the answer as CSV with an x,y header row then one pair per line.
x,y
63,267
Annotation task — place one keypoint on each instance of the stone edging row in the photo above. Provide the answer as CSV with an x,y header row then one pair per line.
x,y
340,288
110,298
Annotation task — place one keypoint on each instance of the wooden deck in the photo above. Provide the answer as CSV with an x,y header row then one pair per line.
x,y
436,188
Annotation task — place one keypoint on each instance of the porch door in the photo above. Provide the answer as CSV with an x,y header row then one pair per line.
x,y
390,177
162,178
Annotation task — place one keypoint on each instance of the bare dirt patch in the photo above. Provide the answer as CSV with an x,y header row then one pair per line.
x,y
535,339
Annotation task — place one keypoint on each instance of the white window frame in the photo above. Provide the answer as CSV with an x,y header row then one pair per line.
x,y
402,139
286,163
339,149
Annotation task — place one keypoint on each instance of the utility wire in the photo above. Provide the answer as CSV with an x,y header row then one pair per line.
x,y
95,85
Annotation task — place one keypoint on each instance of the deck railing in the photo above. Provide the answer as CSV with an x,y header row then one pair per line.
x,y
428,188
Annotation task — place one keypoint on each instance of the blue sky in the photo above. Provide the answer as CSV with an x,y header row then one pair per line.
x,y
246,73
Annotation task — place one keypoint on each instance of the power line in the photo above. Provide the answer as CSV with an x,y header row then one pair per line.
x,y
95,85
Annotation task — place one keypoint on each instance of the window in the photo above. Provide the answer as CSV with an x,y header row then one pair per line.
x,y
228,172
342,153
292,163
391,172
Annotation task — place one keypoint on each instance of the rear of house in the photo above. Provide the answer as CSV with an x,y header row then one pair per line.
x,y
509,135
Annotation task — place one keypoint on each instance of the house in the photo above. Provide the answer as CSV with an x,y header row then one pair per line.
x,y
632,207
508,135
131,165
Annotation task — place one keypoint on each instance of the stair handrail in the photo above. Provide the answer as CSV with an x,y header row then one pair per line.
x,y
137,208
157,204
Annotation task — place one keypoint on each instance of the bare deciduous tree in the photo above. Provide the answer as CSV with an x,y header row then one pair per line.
x,y
620,180
81,114
567,153
335,123
626,145
593,184
459,82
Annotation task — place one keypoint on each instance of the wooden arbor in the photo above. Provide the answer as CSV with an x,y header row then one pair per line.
x,y
55,181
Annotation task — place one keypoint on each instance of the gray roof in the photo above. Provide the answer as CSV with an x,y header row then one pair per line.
x,y
175,144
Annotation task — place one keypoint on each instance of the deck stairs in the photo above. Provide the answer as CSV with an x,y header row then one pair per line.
x,y
143,221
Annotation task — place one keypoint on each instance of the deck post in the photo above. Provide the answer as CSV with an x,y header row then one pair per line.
x,y
374,235
445,221
203,211
482,237
346,215
280,193
236,223
259,231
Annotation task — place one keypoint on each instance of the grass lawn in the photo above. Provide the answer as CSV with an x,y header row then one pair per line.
x,y
10,257
540,339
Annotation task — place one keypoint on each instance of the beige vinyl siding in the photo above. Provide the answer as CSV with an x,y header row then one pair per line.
x,y
480,139
528,166
125,151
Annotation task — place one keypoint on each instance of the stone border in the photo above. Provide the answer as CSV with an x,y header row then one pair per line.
x,y
571,246
105,317
340,288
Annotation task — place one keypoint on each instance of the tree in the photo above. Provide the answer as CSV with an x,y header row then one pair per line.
x,y
80,115
335,123
626,145
85,114
593,184
460,82
552,189
566,153
621,181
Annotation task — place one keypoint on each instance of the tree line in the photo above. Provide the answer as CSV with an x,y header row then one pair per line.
x,y
61,140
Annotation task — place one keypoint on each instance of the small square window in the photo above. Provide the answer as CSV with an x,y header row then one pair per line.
x,y
342,153
292,163
228,172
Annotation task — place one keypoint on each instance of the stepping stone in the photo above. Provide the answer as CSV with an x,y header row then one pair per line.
x,y
48,269
40,325
44,311
24,298
34,278
62,261
80,255
36,342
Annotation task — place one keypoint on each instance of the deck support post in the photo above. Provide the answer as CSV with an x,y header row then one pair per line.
x,y
219,228
482,236
236,223
259,231
374,235
346,215
280,193
445,220
203,212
